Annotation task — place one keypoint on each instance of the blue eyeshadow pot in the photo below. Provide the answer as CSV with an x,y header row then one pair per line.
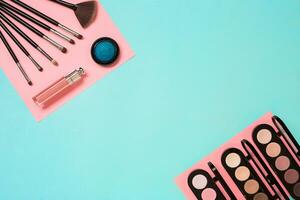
x,y
105,51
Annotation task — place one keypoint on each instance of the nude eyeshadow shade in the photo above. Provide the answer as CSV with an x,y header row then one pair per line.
x,y
282,163
244,176
203,186
273,149
233,160
279,158
264,136
242,173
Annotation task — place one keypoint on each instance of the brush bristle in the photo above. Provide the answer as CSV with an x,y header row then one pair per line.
x,y
54,62
86,12
64,50
72,41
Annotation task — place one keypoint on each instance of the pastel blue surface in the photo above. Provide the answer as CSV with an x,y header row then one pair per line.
x,y
203,71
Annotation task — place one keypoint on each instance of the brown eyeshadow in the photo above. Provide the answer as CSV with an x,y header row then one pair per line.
x,y
261,196
251,186
297,189
291,176
273,150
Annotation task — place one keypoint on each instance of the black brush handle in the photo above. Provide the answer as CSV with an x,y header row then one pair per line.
x,y
18,19
14,39
25,15
19,31
13,55
38,13
66,4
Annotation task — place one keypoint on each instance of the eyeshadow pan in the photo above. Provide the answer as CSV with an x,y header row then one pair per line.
x,y
251,186
277,153
291,176
209,194
233,160
199,182
264,136
204,186
297,189
273,150
261,196
242,173
282,163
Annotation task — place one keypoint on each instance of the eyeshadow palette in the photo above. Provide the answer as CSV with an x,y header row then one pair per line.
x,y
279,158
203,186
244,176
260,163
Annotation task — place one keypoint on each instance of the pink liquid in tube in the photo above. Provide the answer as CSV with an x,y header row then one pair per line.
x,y
58,88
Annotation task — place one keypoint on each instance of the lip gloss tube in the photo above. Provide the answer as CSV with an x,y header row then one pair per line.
x,y
58,88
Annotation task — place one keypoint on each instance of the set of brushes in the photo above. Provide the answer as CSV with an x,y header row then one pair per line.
x,y
8,11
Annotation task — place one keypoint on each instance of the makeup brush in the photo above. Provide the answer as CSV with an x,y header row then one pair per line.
x,y
13,55
35,21
28,39
47,18
34,30
20,46
85,11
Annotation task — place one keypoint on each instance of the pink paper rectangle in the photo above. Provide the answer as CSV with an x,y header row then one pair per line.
x,y
78,55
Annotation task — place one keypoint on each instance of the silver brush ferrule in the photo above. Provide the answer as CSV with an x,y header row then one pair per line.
x,y
74,33
58,46
61,35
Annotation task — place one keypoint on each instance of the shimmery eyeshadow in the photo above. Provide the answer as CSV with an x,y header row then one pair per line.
x,y
273,150
242,173
233,160
261,196
251,186
282,163
209,194
264,136
291,176
297,189
199,182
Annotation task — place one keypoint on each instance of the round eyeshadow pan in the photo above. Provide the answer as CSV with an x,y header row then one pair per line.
x,y
209,194
105,51
242,173
261,196
264,136
199,182
273,150
251,186
297,189
282,163
291,176
233,160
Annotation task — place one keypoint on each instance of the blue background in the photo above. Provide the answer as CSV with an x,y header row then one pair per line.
x,y
204,70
